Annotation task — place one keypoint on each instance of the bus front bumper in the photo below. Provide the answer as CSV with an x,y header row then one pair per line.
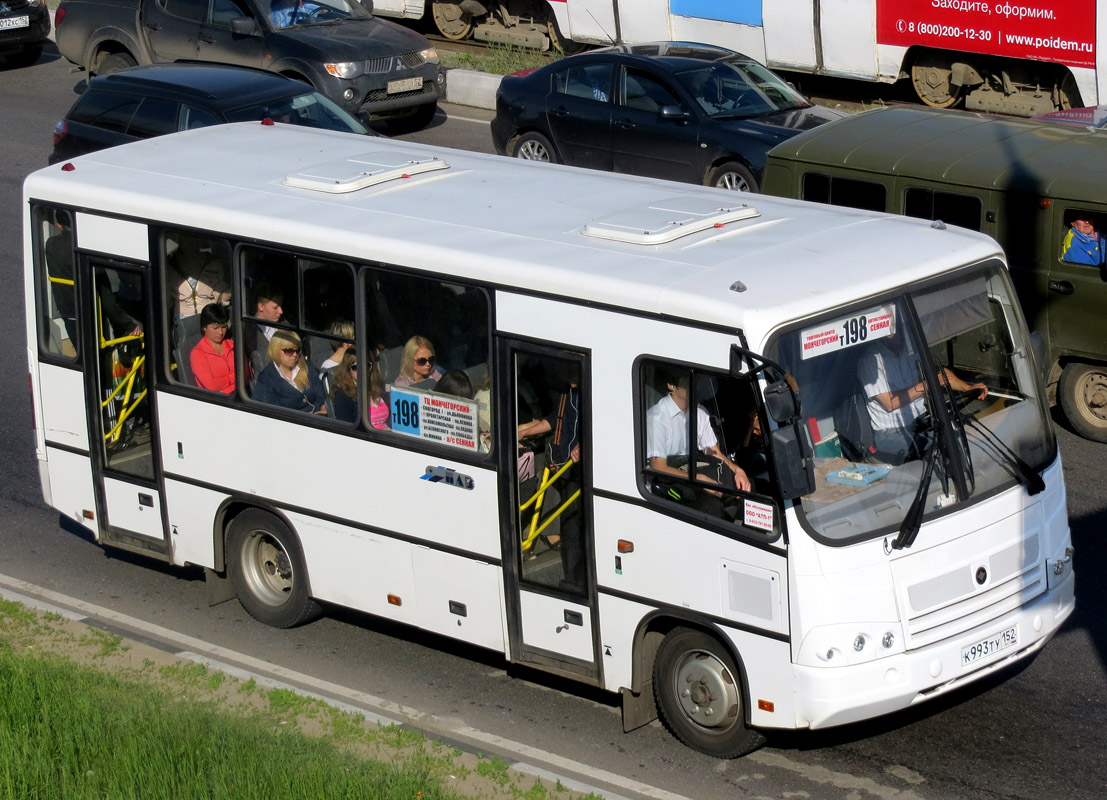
x,y
837,696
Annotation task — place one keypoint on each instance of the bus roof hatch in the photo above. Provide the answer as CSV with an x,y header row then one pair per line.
x,y
667,219
359,172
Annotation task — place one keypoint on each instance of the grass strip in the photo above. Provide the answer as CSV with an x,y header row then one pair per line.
x,y
69,731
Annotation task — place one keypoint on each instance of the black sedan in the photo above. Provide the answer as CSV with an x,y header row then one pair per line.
x,y
677,110
141,102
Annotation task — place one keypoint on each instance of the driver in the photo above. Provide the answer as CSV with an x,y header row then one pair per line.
x,y
889,375
286,13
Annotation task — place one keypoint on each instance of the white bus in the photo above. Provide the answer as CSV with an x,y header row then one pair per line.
x,y
1026,57
538,335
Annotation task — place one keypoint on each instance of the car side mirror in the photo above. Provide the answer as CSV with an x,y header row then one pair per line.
x,y
243,26
672,112
367,5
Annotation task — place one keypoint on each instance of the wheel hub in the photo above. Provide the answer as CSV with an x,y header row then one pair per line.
x,y
1095,395
706,690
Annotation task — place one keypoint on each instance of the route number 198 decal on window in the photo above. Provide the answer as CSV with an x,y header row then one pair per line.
x,y
438,418
865,326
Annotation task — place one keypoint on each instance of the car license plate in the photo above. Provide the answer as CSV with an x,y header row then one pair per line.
x,y
15,22
405,85
990,646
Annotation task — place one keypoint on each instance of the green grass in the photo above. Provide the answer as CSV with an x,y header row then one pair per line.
x,y
499,59
68,731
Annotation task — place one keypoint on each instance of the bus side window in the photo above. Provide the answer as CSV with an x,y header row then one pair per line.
x,y
58,329
725,459
197,274
419,330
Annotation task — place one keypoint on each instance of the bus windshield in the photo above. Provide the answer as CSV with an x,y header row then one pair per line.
x,y
927,399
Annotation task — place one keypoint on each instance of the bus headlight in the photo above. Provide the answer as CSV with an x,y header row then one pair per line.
x,y
430,55
346,69
849,643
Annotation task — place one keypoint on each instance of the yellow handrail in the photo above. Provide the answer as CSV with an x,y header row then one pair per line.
x,y
126,386
537,498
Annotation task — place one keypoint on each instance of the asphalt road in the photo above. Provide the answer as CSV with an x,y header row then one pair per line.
x,y
1036,733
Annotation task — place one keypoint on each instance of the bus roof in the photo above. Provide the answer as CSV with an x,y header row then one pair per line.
x,y
653,246
959,148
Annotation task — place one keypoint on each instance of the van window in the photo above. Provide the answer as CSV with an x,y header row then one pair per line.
x,y
962,210
838,191
1082,242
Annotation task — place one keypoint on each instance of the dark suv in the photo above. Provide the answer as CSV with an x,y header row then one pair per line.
x,y
24,26
141,102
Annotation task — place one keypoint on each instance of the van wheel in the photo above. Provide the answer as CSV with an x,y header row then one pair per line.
x,y
699,696
1083,392
533,146
266,566
733,176
114,63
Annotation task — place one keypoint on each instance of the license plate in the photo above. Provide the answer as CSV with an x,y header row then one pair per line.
x,y
405,85
15,22
990,646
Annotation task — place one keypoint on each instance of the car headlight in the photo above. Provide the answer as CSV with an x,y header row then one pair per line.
x,y
430,55
346,69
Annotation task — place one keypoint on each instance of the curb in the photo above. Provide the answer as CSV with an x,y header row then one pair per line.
x,y
467,87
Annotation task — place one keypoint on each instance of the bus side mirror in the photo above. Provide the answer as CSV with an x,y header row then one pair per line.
x,y
792,461
781,402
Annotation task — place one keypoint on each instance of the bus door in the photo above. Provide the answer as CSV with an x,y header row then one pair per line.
x,y
547,536
120,412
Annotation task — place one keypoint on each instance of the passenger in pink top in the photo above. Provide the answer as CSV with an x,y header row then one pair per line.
x,y
212,359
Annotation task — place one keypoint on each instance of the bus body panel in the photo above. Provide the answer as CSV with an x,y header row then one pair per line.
x,y
62,421
790,34
193,513
132,508
71,487
117,237
462,598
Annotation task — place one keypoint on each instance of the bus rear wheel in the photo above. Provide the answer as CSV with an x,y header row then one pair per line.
x,y
931,76
700,697
268,572
1083,393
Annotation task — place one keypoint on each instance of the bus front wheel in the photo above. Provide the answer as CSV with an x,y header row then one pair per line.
x,y
1083,393
267,570
699,695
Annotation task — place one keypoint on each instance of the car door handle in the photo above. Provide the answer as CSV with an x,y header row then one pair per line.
x,y
560,112
625,124
1061,287
153,26
206,39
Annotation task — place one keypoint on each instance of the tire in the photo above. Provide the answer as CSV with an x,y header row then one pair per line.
x,y
1083,393
114,63
733,176
533,146
700,697
267,571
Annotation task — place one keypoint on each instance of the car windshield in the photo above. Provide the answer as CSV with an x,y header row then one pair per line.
x,y
289,13
739,88
310,109
928,399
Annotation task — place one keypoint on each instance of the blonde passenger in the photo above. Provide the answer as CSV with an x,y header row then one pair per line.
x,y
344,387
417,363
288,381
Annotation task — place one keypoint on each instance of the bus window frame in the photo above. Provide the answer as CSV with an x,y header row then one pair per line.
x,y
42,273
770,541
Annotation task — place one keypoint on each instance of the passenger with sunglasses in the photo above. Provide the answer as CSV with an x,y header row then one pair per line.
x,y
417,363
288,381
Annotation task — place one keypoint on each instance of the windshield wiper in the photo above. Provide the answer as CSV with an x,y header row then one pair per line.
x,y
959,423
912,520
1007,457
